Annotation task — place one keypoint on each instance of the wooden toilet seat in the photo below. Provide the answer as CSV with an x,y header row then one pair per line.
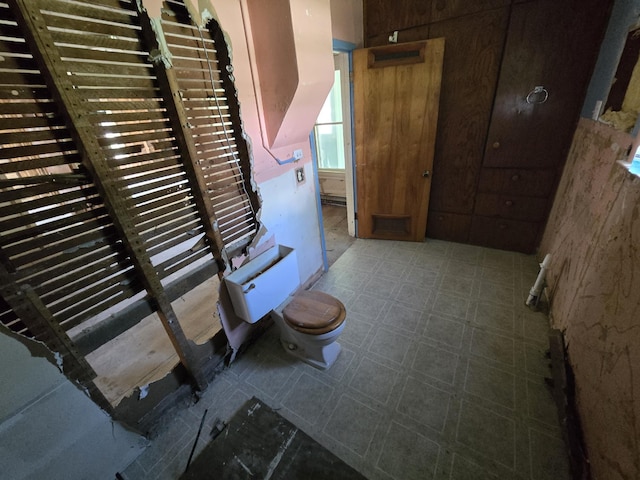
x,y
314,313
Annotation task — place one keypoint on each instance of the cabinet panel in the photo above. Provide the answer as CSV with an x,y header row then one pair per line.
x,y
515,207
504,234
513,181
553,45
473,48
449,226
445,9
385,16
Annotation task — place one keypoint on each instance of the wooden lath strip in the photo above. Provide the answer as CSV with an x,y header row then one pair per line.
x,y
99,117
58,22
33,191
38,235
89,93
165,209
90,239
53,236
73,198
106,13
141,192
87,275
91,294
32,91
34,122
10,136
113,80
74,265
98,41
158,166
174,235
43,161
165,220
93,306
181,261
31,106
41,150
178,223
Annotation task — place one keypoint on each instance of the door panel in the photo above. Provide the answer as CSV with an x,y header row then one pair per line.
x,y
397,90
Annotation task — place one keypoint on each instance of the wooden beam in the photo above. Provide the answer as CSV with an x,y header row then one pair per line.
x,y
94,160
38,319
184,138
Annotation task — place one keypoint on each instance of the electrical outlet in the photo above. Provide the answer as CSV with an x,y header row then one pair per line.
x,y
300,175
297,154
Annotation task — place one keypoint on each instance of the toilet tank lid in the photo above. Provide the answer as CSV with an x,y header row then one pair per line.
x,y
313,310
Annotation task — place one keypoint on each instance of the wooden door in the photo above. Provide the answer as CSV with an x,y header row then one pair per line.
x,y
396,95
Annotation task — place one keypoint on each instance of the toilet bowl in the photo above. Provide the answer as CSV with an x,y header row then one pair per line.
x,y
310,323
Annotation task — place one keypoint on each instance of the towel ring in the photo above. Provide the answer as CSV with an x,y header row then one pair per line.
x,y
537,91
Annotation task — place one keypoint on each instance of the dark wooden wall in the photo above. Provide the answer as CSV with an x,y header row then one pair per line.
x,y
498,157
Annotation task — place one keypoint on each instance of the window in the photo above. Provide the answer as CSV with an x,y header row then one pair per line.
x,y
329,130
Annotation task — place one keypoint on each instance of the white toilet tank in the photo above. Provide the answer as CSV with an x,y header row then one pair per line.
x,y
263,283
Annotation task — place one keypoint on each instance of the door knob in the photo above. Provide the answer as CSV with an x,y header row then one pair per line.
x,y
496,145
426,173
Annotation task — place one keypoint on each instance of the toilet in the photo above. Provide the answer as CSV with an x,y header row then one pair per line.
x,y
309,322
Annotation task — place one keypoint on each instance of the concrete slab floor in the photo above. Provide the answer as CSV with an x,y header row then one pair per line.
x,y
441,375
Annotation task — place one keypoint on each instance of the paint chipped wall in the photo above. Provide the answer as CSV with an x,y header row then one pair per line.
x,y
593,235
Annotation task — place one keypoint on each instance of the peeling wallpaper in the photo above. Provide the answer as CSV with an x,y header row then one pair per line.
x,y
593,235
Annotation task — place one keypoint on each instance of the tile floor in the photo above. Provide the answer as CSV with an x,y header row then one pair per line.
x,y
441,375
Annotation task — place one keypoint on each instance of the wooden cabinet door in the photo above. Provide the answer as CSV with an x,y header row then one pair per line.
x,y
469,79
551,45
396,96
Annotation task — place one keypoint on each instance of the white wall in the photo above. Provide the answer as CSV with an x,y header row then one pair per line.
x,y
51,429
289,211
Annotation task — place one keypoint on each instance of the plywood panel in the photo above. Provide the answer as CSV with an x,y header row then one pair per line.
x,y
385,16
552,45
469,78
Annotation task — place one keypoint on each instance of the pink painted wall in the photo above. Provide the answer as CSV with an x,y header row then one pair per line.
x,y
347,21
280,89
593,235
293,65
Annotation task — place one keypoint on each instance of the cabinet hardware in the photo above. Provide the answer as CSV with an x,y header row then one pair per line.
x,y
538,95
